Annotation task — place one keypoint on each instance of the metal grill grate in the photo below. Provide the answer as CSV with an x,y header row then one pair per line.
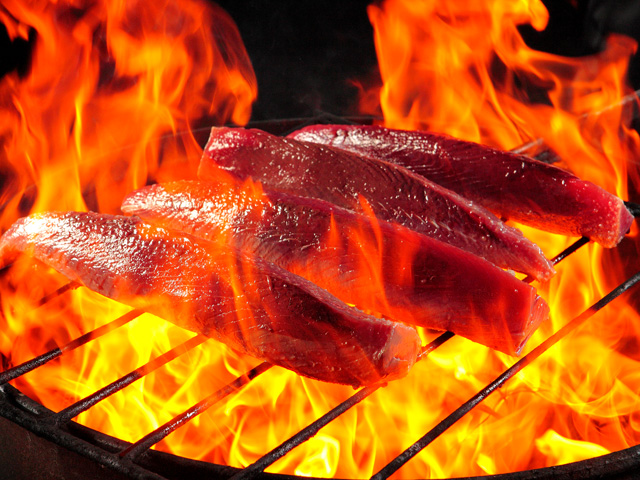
x,y
130,459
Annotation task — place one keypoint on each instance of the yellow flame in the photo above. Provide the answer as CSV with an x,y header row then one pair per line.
x,y
107,83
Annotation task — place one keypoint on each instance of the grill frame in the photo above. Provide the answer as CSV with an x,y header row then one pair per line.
x,y
28,454
105,451
28,418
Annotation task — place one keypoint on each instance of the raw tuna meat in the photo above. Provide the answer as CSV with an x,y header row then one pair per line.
x,y
510,185
391,192
374,265
251,305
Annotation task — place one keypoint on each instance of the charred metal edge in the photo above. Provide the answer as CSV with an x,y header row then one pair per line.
x,y
104,449
457,414
29,414
17,409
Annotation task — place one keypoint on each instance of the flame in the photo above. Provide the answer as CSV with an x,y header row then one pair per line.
x,y
107,79
112,101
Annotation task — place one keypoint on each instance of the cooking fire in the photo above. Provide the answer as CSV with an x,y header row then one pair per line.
x,y
221,300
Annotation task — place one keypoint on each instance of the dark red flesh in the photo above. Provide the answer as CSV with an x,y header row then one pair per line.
x,y
375,265
510,185
391,192
253,306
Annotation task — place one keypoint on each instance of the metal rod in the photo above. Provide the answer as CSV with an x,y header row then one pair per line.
x,y
64,416
305,434
456,415
63,289
146,442
570,249
562,255
136,449
18,370
433,344
312,429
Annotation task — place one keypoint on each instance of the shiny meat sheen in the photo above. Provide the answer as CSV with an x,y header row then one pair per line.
x,y
252,306
392,192
403,274
512,186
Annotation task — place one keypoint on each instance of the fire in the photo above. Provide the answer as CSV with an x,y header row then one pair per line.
x,y
114,94
106,81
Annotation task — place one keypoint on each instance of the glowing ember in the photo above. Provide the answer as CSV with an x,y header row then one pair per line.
x,y
113,91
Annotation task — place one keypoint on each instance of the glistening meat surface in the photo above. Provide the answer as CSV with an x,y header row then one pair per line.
x,y
392,192
375,265
512,186
252,306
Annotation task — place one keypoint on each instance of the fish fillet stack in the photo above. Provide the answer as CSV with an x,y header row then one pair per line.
x,y
322,252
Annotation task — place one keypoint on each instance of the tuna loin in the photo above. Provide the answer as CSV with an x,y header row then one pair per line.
x,y
510,185
252,306
392,192
375,265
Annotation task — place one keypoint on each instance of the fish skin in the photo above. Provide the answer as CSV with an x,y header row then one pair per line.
x,y
392,192
422,281
512,186
274,315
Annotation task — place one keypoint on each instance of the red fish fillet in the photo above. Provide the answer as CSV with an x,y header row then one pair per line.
x,y
510,185
392,192
377,266
252,306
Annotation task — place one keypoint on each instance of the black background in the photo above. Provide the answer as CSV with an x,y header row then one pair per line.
x,y
306,53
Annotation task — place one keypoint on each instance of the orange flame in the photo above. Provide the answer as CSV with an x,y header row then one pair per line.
x,y
107,80
85,127
463,69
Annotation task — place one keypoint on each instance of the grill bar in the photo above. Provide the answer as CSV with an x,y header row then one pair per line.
x,y
311,430
63,289
562,255
19,370
568,251
132,452
63,416
457,414
135,450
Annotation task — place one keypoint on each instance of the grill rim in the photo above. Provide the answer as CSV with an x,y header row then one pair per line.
x,y
16,408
